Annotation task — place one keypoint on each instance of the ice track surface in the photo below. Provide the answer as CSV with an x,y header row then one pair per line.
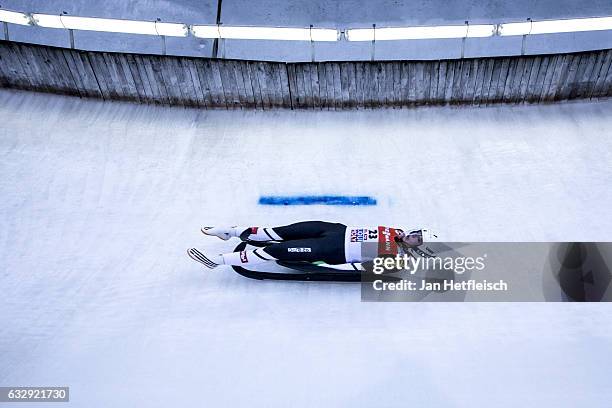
x,y
99,201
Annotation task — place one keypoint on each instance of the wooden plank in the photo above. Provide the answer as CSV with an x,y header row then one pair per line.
x,y
227,83
515,82
51,75
291,76
170,75
592,80
156,83
455,87
235,75
358,85
120,88
448,80
539,83
387,83
300,87
318,69
307,82
240,84
204,69
284,81
270,85
125,74
478,82
29,65
547,71
298,93
188,88
492,87
569,79
532,80
141,79
252,81
468,95
607,85
345,84
483,82
337,86
26,69
315,85
263,85
48,65
587,82
577,84
275,70
427,81
501,83
441,82
548,93
352,85
466,72
522,90
381,98
367,85
4,64
130,91
83,74
463,78
30,70
321,85
238,92
275,84
273,79
249,89
599,89
432,68
411,83
88,60
329,85
557,86
198,87
218,91
404,83
419,83
63,69
103,75
14,71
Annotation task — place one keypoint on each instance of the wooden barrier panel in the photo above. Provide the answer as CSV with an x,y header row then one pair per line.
x,y
235,84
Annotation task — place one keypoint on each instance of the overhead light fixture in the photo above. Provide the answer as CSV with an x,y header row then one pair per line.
x,y
264,33
420,33
14,17
556,26
111,25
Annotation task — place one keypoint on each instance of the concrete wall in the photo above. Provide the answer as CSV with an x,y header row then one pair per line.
x,y
209,83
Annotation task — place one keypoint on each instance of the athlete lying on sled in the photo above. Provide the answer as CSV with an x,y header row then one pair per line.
x,y
312,241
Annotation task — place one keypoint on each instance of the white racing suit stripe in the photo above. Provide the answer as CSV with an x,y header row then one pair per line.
x,y
249,257
261,234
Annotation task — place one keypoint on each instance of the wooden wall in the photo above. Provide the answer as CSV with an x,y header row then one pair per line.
x,y
235,84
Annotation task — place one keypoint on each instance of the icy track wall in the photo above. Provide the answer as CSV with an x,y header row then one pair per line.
x,y
217,83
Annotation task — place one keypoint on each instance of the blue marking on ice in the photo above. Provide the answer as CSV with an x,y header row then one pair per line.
x,y
320,200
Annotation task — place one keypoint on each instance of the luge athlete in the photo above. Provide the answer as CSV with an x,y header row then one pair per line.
x,y
312,241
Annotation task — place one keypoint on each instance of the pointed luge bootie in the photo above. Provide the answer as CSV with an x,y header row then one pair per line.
x,y
223,233
210,261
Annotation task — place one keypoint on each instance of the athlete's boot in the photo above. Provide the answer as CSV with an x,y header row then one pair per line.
x,y
210,261
223,233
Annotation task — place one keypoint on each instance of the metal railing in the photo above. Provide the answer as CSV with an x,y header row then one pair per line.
x,y
310,34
